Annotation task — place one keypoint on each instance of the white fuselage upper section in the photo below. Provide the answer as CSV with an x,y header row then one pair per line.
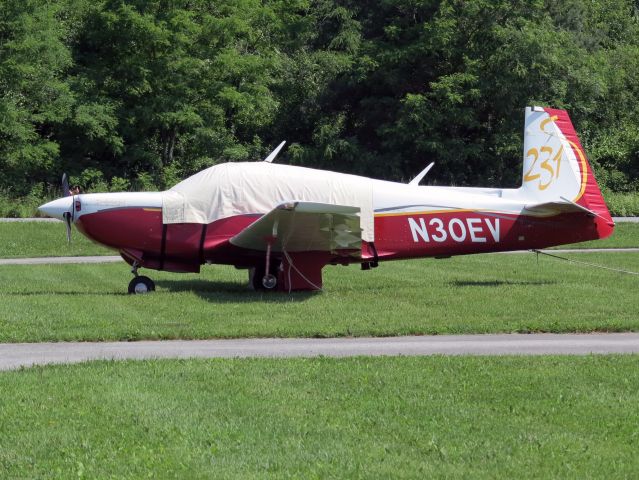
x,y
248,190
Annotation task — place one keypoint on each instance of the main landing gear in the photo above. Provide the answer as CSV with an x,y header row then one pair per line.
x,y
140,284
264,277
269,281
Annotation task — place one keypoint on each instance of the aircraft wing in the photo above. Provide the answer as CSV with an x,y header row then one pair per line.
x,y
304,227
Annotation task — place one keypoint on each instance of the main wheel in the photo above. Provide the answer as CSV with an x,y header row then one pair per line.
x,y
269,281
260,280
141,285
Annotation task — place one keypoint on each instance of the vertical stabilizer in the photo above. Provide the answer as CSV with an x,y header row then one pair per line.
x,y
555,165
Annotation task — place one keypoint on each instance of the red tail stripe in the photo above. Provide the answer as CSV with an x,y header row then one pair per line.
x,y
590,195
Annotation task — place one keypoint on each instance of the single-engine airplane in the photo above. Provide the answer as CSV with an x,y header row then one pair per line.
x,y
285,223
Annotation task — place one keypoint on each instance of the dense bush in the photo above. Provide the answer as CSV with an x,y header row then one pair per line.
x,y
137,94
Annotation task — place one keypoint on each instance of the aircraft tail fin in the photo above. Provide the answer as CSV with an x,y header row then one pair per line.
x,y
556,170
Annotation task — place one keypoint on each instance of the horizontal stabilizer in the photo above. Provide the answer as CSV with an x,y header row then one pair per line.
x,y
555,208
304,227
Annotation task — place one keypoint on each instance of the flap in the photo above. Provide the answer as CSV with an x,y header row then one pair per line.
x,y
304,227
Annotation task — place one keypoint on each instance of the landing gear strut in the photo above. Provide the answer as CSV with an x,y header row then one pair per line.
x,y
140,284
269,281
264,277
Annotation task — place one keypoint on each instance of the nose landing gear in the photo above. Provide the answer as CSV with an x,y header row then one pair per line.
x,y
140,284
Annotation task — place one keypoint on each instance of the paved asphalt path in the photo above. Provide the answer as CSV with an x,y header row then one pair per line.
x,y
17,355
58,260
25,220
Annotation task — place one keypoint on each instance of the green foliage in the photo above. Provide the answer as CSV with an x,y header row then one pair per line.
x,y
27,205
623,204
35,97
149,92
90,180
118,184
144,182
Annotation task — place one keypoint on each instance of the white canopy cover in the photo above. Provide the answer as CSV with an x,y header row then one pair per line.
x,y
241,188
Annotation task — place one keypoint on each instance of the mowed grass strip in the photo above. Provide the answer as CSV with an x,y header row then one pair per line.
x,y
625,235
472,294
37,239
45,239
401,417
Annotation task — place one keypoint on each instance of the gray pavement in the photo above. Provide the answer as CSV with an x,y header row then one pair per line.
x,y
23,220
58,260
17,355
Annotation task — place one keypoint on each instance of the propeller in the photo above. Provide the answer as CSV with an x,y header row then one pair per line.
x,y
67,222
68,216
62,208
65,185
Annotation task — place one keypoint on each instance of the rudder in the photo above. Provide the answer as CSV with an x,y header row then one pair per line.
x,y
556,168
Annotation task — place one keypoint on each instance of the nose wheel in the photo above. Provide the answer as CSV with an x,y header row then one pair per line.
x,y
140,284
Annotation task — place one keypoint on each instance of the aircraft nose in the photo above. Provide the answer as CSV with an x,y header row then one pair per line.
x,y
57,208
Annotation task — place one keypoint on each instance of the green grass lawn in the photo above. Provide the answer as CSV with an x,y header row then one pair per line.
x,y
415,417
625,235
484,293
40,239
36,239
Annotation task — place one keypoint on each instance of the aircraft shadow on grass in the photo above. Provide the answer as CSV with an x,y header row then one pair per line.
x,y
44,293
231,292
215,292
501,283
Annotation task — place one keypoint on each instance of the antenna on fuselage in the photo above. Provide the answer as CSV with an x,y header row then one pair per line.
x,y
274,153
415,181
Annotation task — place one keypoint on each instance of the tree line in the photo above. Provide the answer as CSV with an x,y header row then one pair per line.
x,y
139,94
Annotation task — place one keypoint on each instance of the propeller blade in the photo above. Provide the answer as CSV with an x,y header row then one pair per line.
x,y
67,222
65,185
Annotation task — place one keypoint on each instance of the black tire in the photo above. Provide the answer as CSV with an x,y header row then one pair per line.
x,y
269,282
257,274
140,285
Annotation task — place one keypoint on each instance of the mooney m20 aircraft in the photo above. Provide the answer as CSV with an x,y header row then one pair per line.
x,y
285,223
